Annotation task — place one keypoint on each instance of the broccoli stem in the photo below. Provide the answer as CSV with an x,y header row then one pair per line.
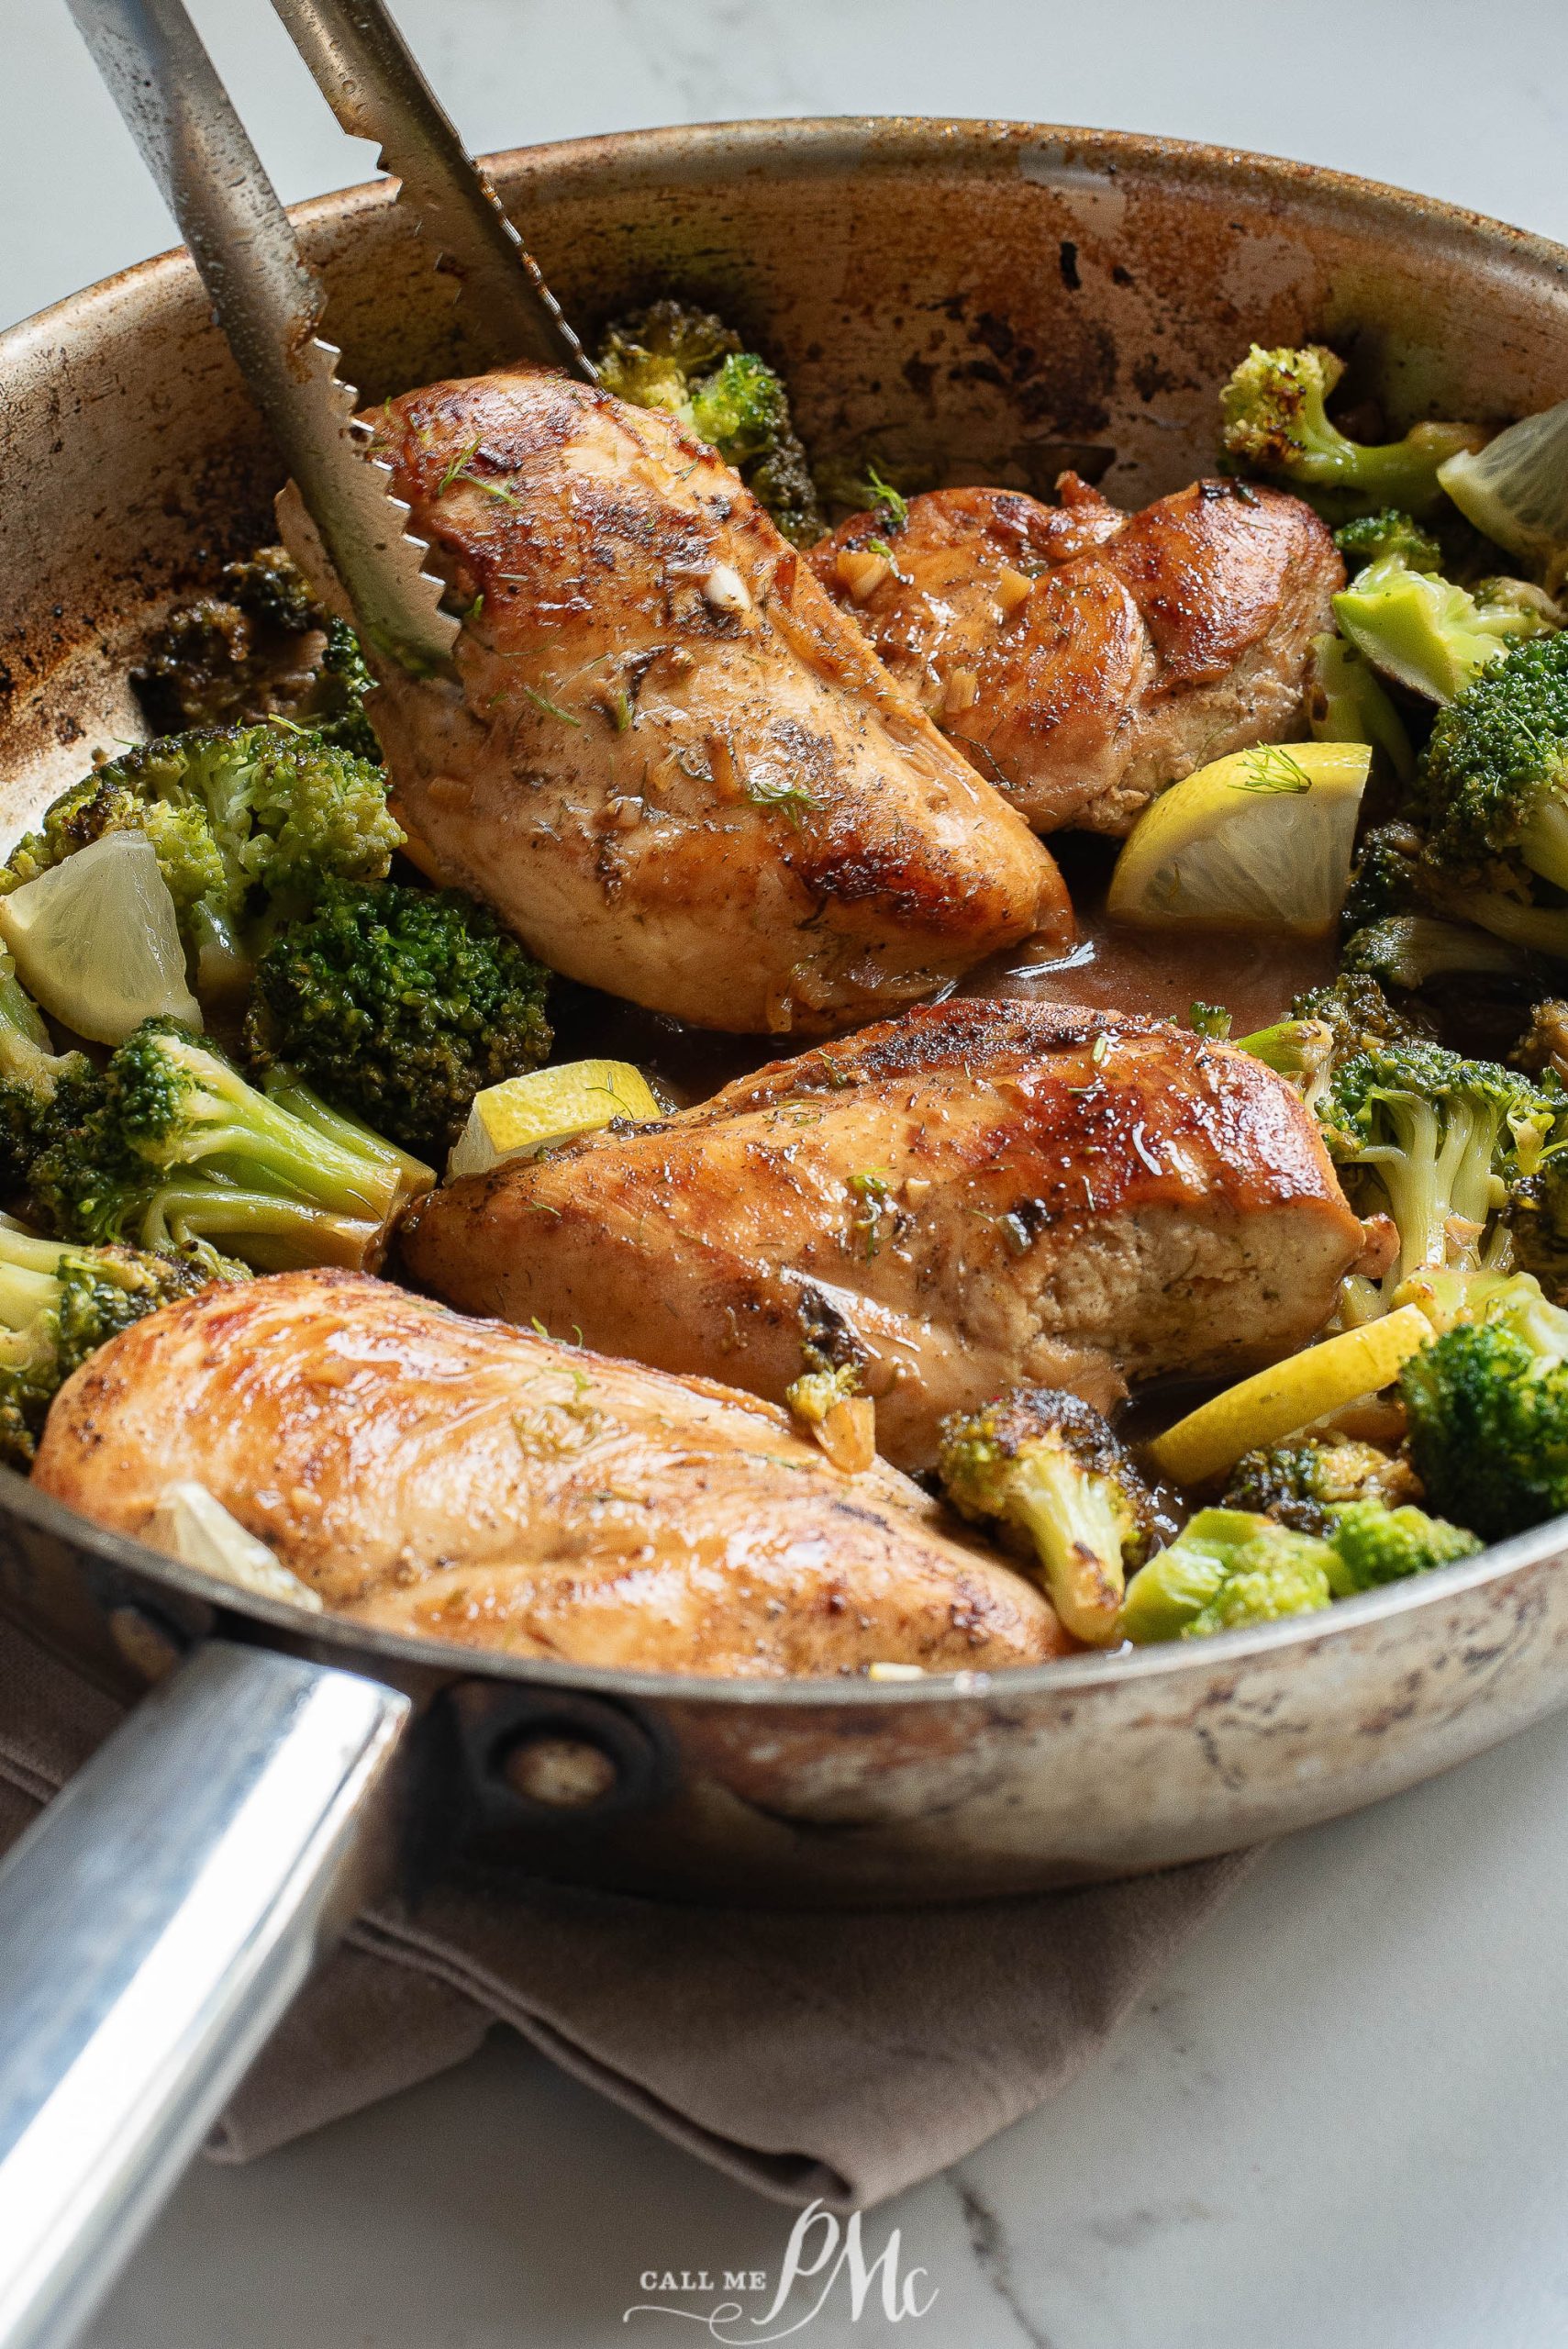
x,y
1541,930
274,1233
260,1138
1543,840
1072,1522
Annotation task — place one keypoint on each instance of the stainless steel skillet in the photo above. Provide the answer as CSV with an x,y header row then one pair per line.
x,y
994,301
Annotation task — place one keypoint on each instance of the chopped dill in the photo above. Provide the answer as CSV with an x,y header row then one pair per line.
x,y
551,708
1272,769
887,500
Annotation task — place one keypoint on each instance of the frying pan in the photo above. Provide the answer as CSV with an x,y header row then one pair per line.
x,y
984,302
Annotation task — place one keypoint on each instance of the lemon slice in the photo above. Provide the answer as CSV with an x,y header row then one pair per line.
x,y
97,941
527,1114
1258,841
1516,489
1274,1403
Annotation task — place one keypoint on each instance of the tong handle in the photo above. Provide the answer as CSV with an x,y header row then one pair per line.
x,y
371,80
270,305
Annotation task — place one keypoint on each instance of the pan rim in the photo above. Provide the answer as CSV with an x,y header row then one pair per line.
x,y
689,154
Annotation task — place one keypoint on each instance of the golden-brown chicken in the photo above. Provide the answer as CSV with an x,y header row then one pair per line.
x,y
980,1194
1084,657
465,1481
673,765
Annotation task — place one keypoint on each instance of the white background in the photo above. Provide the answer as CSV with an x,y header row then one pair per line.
x,y
1338,2122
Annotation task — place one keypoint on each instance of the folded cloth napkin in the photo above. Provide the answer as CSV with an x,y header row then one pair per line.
x,y
841,2055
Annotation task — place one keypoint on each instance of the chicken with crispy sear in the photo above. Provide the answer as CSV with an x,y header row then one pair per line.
x,y
1084,657
981,1194
464,1481
671,764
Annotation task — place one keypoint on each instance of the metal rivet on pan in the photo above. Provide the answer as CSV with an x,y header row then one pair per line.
x,y
150,1646
563,1773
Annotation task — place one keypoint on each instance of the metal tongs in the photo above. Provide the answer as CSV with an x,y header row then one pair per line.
x,y
271,303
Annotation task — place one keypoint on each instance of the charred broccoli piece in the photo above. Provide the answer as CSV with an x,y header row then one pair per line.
x,y
401,1004
249,823
1354,1007
1491,789
1228,1567
687,361
1275,422
1438,1139
334,708
1047,1474
58,1304
1536,1218
1543,1047
237,655
178,1150
41,1091
1301,1484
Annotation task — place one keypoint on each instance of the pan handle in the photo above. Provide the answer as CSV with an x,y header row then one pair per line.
x,y
154,1924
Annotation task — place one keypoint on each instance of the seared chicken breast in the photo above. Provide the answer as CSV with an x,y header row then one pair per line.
x,y
465,1481
1084,657
672,764
980,1194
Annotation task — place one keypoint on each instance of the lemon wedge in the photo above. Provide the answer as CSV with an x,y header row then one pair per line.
x,y
1515,488
527,1114
97,941
1275,1402
1258,841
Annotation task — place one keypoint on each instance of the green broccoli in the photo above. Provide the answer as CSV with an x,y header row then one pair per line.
x,y
334,707
1232,1566
247,822
1302,1050
41,1091
1228,1567
1493,790
1375,1544
1438,1139
687,361
1046,1472
1486,1406
1370,537
58,1304
1274,417
177,1151
1345,703
1427,634
1536,1218
1409,951
1300,1483
1210,1019
400,1004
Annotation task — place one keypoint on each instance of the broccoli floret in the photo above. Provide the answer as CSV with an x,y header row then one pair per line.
x,y
269,586
41,1091
249,822
1537,1217
1493,782
1543,1047
1047,1474
1358,1012
687,361
239,655
178,1150
1301,1050
1300,1484
1372,536
1210,1019
58,1304
400,1004
1409,951
335,706
1227,1568
1487,1412
1275,422
1439,1137
1374,1543
1345,703
1427,634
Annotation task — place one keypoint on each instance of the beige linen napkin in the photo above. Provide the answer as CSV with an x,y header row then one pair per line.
x,y
842,2056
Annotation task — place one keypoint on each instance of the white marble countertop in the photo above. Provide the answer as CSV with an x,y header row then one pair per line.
x,y
1338,2118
